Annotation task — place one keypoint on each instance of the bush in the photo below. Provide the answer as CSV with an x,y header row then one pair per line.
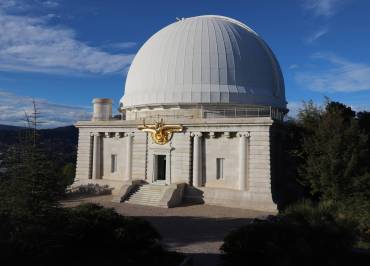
x,y
90,190
86,235
68,174
303,235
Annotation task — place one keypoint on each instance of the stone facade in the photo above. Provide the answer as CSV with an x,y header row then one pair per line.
x,y
223,161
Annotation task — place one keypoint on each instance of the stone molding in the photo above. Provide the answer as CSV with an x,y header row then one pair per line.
x,y
196,134
244,134
95,134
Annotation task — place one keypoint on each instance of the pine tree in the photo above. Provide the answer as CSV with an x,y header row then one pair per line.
x,y
31,183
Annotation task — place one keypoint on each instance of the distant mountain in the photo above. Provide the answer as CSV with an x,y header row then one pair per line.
x,y
59,143
12,128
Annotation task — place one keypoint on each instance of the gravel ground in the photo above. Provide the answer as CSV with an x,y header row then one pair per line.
x,y
197,230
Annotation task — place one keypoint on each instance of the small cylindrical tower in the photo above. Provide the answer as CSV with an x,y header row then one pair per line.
x,y
102,109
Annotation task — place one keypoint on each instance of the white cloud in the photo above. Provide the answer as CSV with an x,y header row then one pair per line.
x,y
50,4
293,66
339,75
325,8
317,35
30,44
13,108
360,107
7,4
120,45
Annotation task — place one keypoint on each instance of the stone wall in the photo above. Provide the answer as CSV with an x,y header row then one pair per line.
x,y
84,154
220,146
139,152
115,146
246,171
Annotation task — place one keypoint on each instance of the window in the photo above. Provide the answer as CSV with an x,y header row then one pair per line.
x,y
220,168
113,167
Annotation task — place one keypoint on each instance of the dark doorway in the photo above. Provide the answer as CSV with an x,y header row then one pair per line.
x,y
161,167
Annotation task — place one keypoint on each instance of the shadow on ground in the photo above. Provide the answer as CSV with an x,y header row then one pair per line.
x,y
197,237
196,233
195,230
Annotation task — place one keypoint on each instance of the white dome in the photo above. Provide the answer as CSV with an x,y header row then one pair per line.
x,y
208,60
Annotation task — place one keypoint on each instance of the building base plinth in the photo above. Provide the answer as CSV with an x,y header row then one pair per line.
x,y
231,198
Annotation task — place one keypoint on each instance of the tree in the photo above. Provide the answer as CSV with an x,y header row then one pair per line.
x,y
364,121
335,165
68,173
309,116
31,183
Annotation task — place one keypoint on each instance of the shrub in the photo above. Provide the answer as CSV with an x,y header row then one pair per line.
x,y
303,235
68,173
86,235
97,230
90,190
265,242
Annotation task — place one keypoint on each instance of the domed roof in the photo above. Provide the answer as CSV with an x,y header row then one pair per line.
x,y
205,59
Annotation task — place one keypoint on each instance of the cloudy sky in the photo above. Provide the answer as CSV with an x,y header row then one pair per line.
x,y
62,53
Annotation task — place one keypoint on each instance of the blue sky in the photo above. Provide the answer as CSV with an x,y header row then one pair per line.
x,y
63,53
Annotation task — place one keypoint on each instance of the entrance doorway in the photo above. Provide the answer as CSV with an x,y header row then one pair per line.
x,y
160,167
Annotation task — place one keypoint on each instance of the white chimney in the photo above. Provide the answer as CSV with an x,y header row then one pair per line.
x,y
102,109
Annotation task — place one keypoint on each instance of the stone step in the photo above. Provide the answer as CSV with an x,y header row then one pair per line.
x,y
147,195
144,198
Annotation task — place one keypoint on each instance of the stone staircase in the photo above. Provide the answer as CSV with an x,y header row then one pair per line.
x,y
150,195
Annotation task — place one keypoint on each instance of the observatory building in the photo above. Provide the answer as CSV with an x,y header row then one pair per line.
x,y
200,115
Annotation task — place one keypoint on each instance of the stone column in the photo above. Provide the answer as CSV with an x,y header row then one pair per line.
x,y
96,171
129,141
197,159
243,167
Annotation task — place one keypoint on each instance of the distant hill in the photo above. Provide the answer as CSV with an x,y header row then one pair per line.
x,y
12,128
59,143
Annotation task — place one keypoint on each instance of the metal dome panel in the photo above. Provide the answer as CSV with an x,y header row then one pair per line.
x,y
205,59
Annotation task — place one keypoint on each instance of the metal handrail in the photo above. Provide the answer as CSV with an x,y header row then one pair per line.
x,y
237,112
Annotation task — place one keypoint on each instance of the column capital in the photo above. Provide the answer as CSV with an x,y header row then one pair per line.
x,y
107,134
129,134
117,135
244,134
95,134
212,134
196,134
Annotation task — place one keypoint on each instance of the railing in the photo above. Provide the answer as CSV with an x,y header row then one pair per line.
x,y
210,113
247,112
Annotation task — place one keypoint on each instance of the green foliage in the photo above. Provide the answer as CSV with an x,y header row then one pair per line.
x,y
350,215
287,187
30,183
333,160
335,155
325,214
86,235
59,146
90,190
68,174
302,235
364,121
35,230
309,116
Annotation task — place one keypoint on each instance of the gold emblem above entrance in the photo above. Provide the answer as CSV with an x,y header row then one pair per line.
x,y
161,133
